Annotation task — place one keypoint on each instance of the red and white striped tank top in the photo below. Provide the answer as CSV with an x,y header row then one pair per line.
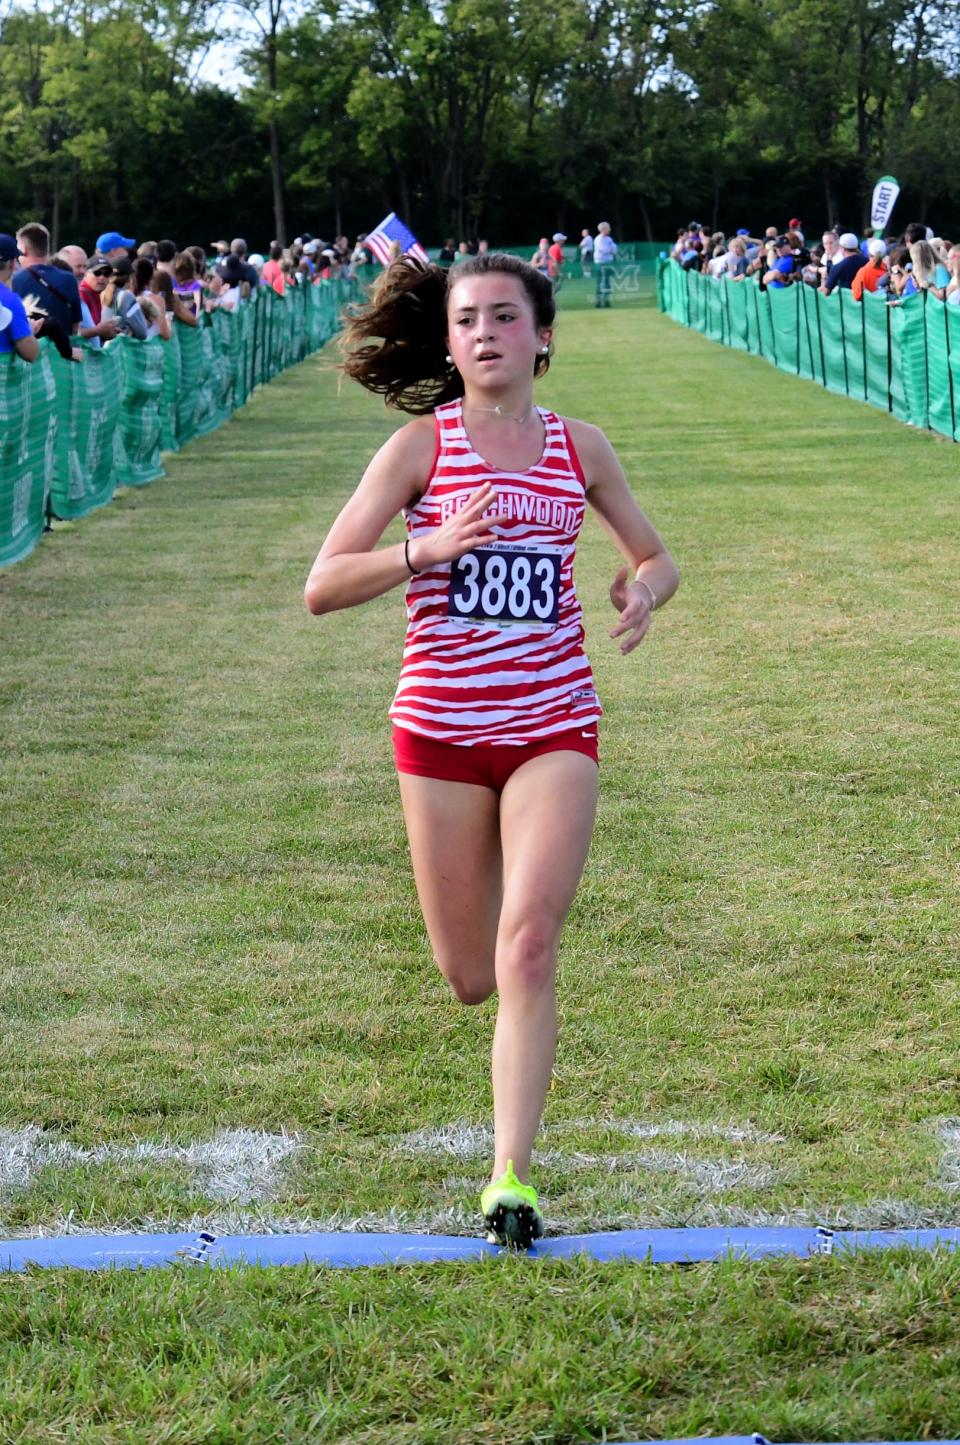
x,y
494,645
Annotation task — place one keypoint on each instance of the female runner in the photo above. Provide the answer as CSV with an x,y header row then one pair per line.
x,y
495,716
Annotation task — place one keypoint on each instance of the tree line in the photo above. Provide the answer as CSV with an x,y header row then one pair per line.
x,y
496,118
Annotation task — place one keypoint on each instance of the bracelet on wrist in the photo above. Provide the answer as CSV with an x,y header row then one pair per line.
x,y
653,596
406,557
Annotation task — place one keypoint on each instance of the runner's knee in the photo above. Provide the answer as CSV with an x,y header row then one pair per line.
x,y
471,990
469,985
527,956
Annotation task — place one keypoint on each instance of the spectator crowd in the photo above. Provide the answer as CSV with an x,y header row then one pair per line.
x,y
916,261
122,288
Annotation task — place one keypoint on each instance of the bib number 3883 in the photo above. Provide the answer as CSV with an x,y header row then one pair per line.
x,y
506,586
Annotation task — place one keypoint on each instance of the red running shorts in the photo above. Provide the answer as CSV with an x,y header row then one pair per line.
x,y
487,765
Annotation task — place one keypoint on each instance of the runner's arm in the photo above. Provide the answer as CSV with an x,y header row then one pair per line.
x,y
349,570
608,493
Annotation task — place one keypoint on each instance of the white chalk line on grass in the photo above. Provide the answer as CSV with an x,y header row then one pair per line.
x,y
950,1160
242,1165
245,1165
675,1128
472,1141
244,1169
714,1175
462,1218
467,1141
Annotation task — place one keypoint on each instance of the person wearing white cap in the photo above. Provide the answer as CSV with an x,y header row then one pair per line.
x,y
555,259
873,274
843,271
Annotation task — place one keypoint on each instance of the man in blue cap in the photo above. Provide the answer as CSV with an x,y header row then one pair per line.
x,y
114,246
16,333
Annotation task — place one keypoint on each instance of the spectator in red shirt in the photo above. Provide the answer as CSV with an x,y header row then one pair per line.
x,y
555,257
99,271
272,272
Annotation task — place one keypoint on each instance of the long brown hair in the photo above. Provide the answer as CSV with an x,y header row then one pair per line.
x,y
396,345
143,269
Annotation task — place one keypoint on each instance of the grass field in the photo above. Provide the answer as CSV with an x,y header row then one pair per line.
x,y
218,1006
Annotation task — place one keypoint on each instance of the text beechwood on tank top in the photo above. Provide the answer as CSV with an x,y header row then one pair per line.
x,y
494,648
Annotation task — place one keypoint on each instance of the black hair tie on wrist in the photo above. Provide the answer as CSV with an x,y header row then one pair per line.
x,y
406,557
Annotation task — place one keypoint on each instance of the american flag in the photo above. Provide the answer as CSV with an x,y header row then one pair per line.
x,y
391,228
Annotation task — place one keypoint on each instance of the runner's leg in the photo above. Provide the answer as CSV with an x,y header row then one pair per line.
x,y
454,836
547,812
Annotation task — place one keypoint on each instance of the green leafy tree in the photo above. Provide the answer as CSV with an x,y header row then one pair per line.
x,y
436,99
319,60
472,116
85,92
263,63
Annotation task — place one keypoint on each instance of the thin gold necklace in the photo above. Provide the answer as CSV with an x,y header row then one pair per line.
x,y
507,415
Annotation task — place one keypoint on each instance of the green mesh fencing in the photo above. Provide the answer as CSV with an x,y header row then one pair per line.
x,y
953,364
191,359
87,402
207,414
737,299
809,360
28,432
172,376
644,255
903,358
851,331
876,350
940,402
830,340
72,432
785,327
631,279
908,333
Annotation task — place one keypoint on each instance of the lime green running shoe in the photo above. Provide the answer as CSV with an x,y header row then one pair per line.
x,y
511,1211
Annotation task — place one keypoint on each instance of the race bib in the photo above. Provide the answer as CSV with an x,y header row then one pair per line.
x,y
509,585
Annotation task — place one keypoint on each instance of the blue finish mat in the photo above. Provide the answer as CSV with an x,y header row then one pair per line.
x,y
346,1251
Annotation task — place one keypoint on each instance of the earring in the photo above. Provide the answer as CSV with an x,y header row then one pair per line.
x,y
544,349
449,359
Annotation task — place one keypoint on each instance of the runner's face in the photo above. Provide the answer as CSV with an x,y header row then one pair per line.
x,y
492,335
